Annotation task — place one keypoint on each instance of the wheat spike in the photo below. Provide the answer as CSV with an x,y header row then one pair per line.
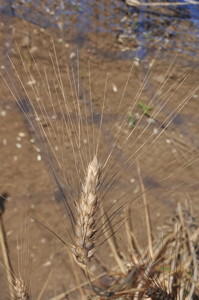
x,y
83,249
20,291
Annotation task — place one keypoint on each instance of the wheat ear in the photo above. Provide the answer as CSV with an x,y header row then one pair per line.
x,y
85,230
20,290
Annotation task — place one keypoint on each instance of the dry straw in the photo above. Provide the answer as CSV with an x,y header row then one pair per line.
x,y
17,288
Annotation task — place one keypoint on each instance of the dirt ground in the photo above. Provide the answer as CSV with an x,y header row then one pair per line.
x,y
169,166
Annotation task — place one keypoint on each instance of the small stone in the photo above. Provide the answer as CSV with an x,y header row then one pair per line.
x,y
39,157
47,263
18,145
47,9
31,82
54,117
114,88
72,55
168,141
124,49
21,134
37,119
150,121
155,131
136,62
25,41
3,113
4,142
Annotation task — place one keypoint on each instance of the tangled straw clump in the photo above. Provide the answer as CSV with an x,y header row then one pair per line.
x,y
158,294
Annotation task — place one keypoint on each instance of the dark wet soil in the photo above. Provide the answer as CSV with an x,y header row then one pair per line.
x,y
169,166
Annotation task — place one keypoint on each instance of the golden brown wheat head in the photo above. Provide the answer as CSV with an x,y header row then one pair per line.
x,y
20,291
86,208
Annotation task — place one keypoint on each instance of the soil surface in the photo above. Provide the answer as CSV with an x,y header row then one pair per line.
x,y
159,135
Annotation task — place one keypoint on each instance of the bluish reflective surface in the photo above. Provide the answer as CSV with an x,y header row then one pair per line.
x,y
139,31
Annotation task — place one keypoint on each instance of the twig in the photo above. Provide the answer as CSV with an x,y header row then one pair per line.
x,y
132,241
44,286
63,295
139,3
114,247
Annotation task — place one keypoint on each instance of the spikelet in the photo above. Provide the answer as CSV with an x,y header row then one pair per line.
x,y
85,230
20,290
